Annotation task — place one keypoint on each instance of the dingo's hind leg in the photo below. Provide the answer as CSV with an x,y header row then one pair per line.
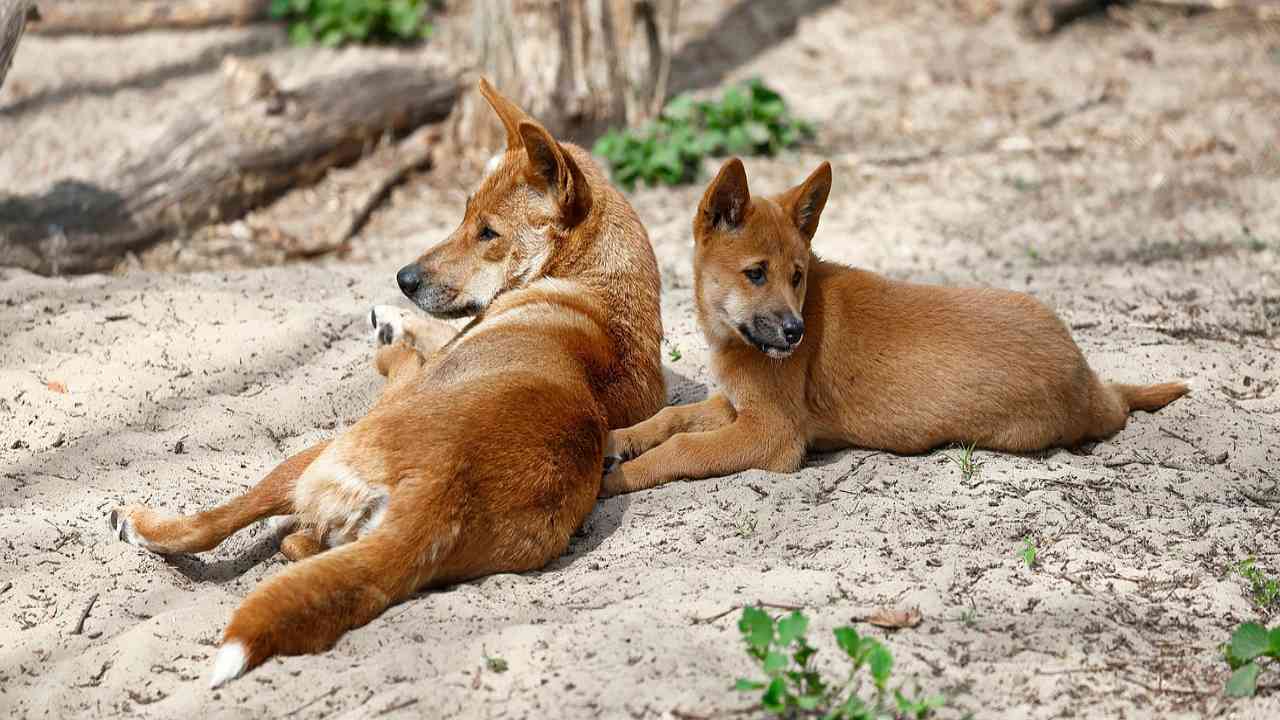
x,y
172,534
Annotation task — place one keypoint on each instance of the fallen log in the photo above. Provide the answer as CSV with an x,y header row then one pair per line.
x,y
215,165
14,17
112,17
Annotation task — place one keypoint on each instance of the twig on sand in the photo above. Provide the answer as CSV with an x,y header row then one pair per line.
x,y
396,706
84,614
1259,498
1162,689
1176,436
312,701
686,715
717,616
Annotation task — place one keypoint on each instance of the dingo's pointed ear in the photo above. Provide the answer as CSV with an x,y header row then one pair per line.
x,y
507,111
805,202
725,202
554,169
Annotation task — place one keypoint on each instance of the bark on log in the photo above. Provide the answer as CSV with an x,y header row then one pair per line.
x,y
14,15
126,16
217,164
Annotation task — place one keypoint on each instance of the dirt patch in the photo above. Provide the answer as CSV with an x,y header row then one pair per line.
x,y
185,389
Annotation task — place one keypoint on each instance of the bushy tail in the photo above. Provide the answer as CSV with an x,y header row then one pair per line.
x,y
306,607
1150,397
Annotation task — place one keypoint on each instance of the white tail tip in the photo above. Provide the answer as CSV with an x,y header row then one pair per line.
x,y
228,664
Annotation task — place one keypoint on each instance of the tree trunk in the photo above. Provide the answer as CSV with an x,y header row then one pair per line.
x,y
14,15
126,16
216,164
579,66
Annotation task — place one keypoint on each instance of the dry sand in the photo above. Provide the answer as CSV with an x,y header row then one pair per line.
x,y
1150,222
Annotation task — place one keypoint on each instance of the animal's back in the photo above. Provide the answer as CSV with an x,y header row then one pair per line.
x,y
914,366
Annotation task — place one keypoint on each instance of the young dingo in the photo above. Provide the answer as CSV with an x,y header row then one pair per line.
x,y
883,364
483,456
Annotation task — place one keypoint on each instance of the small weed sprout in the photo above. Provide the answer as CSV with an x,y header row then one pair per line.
x,y
1251,644
675,353
493,663
1029,552
794,687
969,618
1264,589
745,525
969,467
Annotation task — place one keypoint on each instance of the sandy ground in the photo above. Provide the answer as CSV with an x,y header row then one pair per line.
x,y
1149,220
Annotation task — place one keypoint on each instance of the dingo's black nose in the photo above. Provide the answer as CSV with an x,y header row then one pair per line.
x,y
792,329
409,279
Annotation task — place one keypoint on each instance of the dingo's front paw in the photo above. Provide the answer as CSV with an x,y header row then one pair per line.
x,y
388,324
618,448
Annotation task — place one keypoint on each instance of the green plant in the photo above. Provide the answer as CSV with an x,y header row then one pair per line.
x,y
1029,552
1250,643
750,119
1264,589
965,461
675,354
746,525
493,663
335,22
793,687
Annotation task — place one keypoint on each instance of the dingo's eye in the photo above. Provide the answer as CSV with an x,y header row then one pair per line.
x,y
755,275
796,278
487,233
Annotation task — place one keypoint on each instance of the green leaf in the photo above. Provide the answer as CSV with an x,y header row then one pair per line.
x,y
1249,641
745,685
737,142
757,628
881,662
1244,681
774,662
301,35
803,653
758,133
332,38
848,640
681,109
792,627
770,110
1275,643
762,93
854,707
774,699
808,702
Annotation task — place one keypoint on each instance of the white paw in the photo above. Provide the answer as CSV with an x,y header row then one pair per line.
x,y
388,324
228,664
124,529
282,525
